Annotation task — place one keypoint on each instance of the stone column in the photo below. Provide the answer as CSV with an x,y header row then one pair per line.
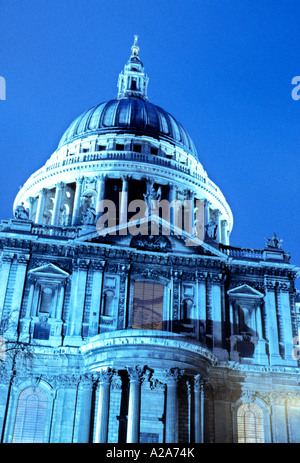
x,y
100,191
189,213
199,410
123,205
171,425
207,205
224,232
76,205
219,229
172,200
57,203
31,201
40,206
103,406
133,424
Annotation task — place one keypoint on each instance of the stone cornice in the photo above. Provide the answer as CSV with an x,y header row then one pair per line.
x,y
267,369
62,249
165,340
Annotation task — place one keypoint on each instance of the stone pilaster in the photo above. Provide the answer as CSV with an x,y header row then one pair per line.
x,y
209,313
271,327
83,418
7,259
77,298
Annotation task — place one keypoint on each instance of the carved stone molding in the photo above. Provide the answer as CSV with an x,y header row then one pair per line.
x,y
86,381
158,386
135,373
116,382
104,376
7,257
23,259
97,264
198,383
173,375
67,381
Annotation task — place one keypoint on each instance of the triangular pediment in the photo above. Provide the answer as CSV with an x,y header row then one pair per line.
x,y
245,291
49,270
170,234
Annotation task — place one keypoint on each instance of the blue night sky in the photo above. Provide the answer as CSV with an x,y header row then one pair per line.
x,y
223,69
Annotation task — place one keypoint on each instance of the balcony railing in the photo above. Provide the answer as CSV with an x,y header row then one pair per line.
x,y
241,253
51,230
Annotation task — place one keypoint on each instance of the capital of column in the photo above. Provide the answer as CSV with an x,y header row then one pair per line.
x,y
79,180
125,177
135,373
86,382
105,376
98,264
43,191
23,259
7,257
173,375
190,194
59,185
81,264
198,383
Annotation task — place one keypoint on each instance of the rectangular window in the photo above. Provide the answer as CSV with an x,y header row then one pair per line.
x,y
133,84
41,331
119,147
148,306
137,148
100,147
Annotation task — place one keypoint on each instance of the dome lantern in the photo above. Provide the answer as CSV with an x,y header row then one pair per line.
x,y
133,81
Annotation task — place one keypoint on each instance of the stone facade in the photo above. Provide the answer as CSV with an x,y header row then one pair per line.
x,y
114,337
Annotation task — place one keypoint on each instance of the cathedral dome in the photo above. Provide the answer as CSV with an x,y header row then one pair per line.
x,y
129,115
125,143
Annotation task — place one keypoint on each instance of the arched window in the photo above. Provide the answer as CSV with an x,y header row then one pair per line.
x,y
250,425
148,301
31,416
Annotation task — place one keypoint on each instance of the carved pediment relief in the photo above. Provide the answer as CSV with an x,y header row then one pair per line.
x,y
245,291
151,243
49,271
